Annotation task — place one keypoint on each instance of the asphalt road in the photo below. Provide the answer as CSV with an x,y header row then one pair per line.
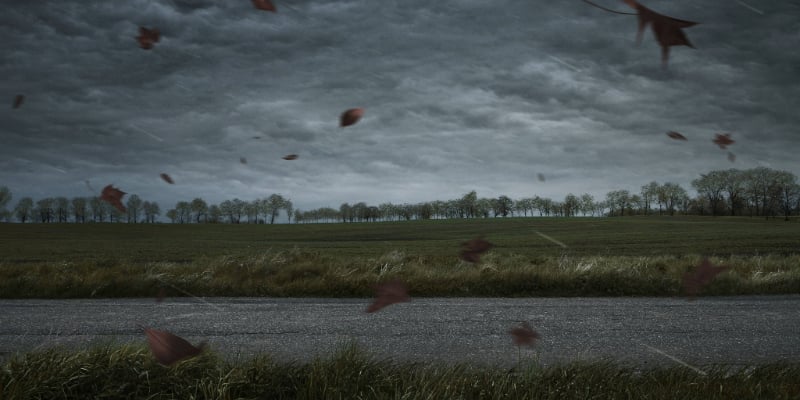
x,y
643,332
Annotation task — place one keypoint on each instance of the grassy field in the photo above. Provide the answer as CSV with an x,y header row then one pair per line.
x,y
603,256
125,372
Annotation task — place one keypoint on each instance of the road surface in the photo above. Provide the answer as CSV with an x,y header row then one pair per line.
x,y
643,332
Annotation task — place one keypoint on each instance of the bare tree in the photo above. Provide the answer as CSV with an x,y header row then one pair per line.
x,y
79,205
23,211
134,206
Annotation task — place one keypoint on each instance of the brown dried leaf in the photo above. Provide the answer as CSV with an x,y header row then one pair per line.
x,y
472,250
676,135
723,140
668,30
168,348
265,5
524,335
389,293
351,116
694,281
290,157
147,37
114,197
18,100
167,178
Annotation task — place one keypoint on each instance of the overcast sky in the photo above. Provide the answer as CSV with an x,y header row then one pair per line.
x,y
458,96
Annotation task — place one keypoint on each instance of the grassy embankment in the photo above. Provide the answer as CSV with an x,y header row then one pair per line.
x,y
632,256
125,372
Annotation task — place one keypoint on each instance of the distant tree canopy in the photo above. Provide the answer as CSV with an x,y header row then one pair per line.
x,y
761,192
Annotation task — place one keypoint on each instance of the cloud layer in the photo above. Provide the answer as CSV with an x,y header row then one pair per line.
x,y
459,96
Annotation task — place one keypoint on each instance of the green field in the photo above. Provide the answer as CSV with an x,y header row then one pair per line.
x,y
603,256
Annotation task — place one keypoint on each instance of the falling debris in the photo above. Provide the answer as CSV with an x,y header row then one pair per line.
x,y
667,29
694,281
168,348
243,160
290,157
540,177
389,293
113,196
18,101
167,179
351,116
731,157
256,137
472,250
162,294
88,185
265,5
723,140
147,37
524,335
676,135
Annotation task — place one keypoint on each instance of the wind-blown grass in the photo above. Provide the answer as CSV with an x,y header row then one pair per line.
x,y
299,273
605,257
125,372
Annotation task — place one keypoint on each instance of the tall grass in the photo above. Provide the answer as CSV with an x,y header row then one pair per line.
x,y
129,372
303,273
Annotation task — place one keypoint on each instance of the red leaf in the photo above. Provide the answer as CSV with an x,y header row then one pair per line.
x,y
351,116
723,140
162,293
473,249
265,5
167,179
18,101
676,135
147,37
387,294
168,348
695,280
290,157
667,29
524,335
114,197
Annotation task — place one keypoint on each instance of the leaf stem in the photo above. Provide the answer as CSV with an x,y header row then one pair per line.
x,y
607,9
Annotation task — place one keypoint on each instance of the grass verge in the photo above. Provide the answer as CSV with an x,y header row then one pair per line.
x,y
129,372
297,273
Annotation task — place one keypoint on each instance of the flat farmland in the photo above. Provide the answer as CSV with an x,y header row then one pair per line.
x,y
634,236
530,257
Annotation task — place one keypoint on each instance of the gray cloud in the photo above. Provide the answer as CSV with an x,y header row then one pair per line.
x,y
459,95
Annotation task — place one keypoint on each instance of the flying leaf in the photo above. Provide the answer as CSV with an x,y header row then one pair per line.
x,y
113,196
351,116
540,177
168,348
524,335
472,250
731,157
667,29
723,140
162,294
389,293
18,101
242,160
147,37
676,135
290,157
694,281
167,179
265,5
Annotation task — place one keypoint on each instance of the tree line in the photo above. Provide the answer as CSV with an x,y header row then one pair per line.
x,y
760,191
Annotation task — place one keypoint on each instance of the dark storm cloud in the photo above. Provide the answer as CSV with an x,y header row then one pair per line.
x,y
459,95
